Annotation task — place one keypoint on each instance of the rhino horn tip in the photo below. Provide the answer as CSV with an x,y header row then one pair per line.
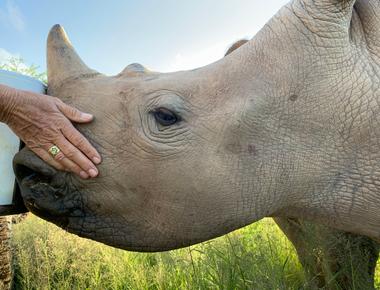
x,y
62,60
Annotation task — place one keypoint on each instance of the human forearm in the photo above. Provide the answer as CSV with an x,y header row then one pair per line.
x,y
7,102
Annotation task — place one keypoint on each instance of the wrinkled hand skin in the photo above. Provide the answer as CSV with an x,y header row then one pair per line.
x,y
42,121
287,125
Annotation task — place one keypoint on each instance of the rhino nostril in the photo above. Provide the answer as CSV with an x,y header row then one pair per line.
x,y
23,171
27,166
26,174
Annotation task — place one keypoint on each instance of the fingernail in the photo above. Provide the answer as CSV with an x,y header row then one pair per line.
x,y
83,174
87,116
93,172
96,160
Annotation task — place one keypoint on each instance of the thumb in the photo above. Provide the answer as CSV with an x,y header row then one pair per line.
x,y
74,114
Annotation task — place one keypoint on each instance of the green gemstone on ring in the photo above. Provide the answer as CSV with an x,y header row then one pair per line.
x,y
54,150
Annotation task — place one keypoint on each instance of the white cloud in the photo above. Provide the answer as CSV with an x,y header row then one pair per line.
x,y
12,15
195,58
185,60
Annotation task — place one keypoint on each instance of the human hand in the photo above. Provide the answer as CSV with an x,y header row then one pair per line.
x,y
42,121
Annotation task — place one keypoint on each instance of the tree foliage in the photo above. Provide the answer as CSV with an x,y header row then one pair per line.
x,y
17,64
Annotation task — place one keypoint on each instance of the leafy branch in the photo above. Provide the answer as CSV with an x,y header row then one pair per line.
x,y
17,64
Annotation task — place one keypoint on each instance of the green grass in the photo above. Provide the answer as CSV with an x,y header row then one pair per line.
x,y
255,257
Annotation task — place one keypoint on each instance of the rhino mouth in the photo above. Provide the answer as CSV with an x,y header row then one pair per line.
x,y
45,191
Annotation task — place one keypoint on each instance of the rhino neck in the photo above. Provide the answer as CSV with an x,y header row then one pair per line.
x,y
343,158
298,160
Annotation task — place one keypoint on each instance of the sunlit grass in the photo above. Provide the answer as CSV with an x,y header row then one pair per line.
x,y
255,257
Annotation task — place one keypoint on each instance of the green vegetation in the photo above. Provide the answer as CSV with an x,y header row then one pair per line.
x,y
255,257
17,64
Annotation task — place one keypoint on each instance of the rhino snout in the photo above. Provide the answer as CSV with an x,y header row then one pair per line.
x,y
46,191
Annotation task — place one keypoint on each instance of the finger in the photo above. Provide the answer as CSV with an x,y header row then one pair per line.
x,y
369,14
69,165
45,156
79,141
71,153
72,113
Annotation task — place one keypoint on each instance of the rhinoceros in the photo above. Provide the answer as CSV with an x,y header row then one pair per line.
x,y
287,125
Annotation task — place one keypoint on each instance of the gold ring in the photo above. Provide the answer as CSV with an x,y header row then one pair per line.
x,y
54,150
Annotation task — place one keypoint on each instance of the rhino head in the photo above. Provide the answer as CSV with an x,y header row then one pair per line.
x,y
286,125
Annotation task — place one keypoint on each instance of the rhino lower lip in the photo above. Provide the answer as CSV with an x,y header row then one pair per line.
x,y
55,202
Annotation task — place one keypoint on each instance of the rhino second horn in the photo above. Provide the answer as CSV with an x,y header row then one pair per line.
x,y
62,60
134,69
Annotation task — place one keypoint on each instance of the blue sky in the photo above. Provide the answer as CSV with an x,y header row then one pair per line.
x,y
164,35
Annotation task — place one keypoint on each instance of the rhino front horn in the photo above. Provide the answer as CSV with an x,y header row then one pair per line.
x,y
63,62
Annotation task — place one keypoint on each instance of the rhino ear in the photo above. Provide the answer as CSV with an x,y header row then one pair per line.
x,y
62,60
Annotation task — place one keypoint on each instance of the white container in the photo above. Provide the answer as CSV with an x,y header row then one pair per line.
x,y
9,142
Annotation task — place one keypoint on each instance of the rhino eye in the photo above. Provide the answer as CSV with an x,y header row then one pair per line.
x,y
165,117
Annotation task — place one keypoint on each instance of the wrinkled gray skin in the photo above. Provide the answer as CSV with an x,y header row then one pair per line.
x,y
332,259
287,125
